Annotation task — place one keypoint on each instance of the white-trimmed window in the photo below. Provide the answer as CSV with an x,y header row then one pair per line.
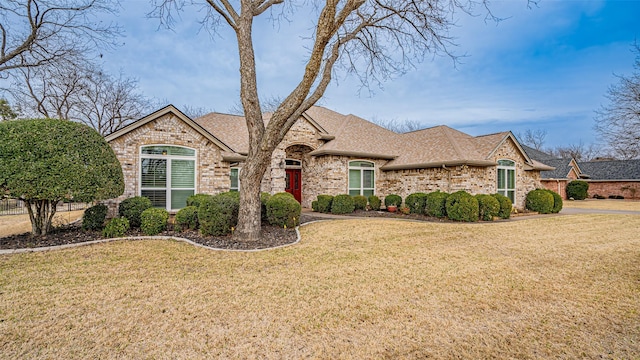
x,y
167,175
361,178
235,179
507,179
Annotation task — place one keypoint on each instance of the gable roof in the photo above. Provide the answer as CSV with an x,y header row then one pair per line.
x,y
612,169
169,109
561,166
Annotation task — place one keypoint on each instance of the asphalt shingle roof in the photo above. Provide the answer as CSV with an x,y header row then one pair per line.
x,y
611,170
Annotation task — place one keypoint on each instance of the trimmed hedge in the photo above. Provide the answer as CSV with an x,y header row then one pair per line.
x,y
360,202
557,201
314,205
540,200
435,204
416,202
219,213
342,204
488,207
374,202
132,208
392,199
324,203
577,190
283,210
197,199
505,205
462,206
93,218
187,218
116,228
154,221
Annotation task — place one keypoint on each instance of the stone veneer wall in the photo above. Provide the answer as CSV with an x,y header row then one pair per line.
x,y
212,174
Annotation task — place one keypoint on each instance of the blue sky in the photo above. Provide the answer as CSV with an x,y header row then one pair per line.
x,y
544,67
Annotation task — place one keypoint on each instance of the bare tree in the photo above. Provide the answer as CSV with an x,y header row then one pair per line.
x,y
533,138
267,105
619,121
579,151
194,111
37,32
398,126
371,39
78,90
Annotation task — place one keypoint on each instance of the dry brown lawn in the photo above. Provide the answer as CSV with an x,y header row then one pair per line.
x,y
604,204
18,224
556,287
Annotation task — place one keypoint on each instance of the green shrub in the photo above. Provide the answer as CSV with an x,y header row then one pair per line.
x,y
416,202
342,204
488,207
218,214
187,218
505,206
324,203
360,202
283,210
93,218
462,206
45,161
392,199
557,201
374,202
154,221
577,190
314,205
116,228
539,200
132,208
264,198
436,204
197,199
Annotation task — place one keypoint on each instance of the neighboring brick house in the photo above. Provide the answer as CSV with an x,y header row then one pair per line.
x,y
605,177
167,156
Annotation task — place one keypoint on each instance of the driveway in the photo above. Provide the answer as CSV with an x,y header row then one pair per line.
x,y
572,211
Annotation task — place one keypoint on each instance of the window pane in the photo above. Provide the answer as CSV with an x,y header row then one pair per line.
x,y
506,163
182,174
354,192
154,173
501,179
512,196
234,179
168,150
512,179
179,198
367,193
354,179
367,179
158,197
292,162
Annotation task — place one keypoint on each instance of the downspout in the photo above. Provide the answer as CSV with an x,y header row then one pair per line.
x,y
448,178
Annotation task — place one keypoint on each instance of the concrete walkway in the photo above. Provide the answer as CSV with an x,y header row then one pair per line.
x,y
573,211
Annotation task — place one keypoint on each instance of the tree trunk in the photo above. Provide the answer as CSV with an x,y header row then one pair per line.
x,y
249,216
42,217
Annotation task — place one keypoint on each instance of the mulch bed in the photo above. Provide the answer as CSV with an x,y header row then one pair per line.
x,y
72,234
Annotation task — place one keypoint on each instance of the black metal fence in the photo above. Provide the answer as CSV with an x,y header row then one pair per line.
x,y
18,207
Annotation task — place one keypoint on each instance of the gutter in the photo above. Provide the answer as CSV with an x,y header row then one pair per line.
x,y
321,151
443,164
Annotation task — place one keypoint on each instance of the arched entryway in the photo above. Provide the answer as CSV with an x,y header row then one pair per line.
x,y
297,157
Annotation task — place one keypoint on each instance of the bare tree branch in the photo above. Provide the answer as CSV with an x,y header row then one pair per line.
x,y
37,32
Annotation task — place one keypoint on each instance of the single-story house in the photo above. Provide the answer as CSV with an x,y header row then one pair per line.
x,y
606,177
168,156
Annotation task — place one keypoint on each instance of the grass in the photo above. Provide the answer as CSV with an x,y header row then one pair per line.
x,y
604,204
18,224
553,287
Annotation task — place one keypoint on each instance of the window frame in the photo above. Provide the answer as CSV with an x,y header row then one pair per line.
x,y
507,169
362,169
168,189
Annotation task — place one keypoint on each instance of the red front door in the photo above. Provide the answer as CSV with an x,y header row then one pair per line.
x,y
293,183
